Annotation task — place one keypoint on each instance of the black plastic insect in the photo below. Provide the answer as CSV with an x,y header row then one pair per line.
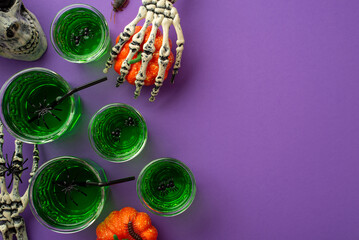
x,y
116,134
3,169
130,122
43,109
14,168
69,185
83,34
118,5
5,5
131,231
165,187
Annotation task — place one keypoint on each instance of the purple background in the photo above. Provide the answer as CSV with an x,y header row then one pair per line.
x,y
264,111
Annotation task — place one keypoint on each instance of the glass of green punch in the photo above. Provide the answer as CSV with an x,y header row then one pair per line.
x,y
26,110
117,132
79,33
166,187
59,198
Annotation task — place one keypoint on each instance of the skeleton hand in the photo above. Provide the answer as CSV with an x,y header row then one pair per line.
x,y
157,12
12,204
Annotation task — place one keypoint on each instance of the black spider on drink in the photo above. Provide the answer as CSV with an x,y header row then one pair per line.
x,y
68,186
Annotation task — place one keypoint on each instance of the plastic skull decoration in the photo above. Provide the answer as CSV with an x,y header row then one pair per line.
x,y
21,36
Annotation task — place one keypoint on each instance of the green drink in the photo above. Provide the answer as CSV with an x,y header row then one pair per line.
x,y
59,201
118,132
25,111
166,187
79,33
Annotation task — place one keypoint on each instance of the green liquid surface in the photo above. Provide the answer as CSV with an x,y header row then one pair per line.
x,y
26,96
61,209
166,187
118,133
79,33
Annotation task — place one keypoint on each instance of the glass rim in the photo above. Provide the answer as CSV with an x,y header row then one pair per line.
x,y
69,230
104,45
50,137
119,159
174,212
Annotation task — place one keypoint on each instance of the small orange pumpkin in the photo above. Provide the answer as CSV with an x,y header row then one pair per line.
x,y
152,67
126,224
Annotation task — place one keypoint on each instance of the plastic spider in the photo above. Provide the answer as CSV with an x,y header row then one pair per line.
x,y
68,186
15,168
116,134
130,122
42,109
165,187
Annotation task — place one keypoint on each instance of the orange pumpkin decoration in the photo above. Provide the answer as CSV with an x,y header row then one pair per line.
x,y
152,67
126,224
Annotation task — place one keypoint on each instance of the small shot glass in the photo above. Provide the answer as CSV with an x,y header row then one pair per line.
x,y
117,132
166,187
79,33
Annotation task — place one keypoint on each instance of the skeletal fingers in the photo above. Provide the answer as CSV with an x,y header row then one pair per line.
x,y
159,12
134,46
19,225
35,161
17,162
3,168
149,48
180,42
35,165
124,36
163,58
140,79
120,80
155,91
141,76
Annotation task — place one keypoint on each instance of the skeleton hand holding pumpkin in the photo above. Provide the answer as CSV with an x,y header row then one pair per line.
x,y
157,13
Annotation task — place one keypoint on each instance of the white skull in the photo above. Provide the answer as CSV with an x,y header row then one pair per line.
x,y
21,36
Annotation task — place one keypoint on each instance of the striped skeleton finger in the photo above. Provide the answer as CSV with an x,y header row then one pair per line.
x,y
124,36
135,46
149,48
179,49
165,50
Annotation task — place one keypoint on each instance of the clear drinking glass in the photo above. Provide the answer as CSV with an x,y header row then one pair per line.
x,y
166,187
60,200
79,33
25,111
117,132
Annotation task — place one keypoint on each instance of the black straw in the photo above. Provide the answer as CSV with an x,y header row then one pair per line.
x,y
56,102
61,99
104,184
